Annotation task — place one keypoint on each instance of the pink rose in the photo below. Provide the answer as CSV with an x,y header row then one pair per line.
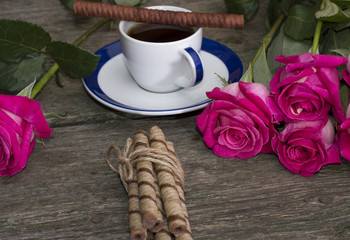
x,y
346,73
20,120
238,123
304,147
307,88
344,136
344,128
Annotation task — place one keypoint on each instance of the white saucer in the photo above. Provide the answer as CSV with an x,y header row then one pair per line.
x,y
112,85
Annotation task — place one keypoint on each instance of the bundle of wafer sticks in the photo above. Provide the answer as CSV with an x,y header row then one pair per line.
x,y
154,179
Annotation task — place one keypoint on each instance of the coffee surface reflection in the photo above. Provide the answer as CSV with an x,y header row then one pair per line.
x,y
159,33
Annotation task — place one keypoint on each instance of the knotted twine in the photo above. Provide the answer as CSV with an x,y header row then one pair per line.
x,y
126,159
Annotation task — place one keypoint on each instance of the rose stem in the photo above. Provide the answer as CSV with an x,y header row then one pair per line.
x,y
317,32
167,185
147,192
42,82
268,38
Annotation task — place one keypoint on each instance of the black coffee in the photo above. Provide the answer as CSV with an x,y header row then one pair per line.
x,y
159,33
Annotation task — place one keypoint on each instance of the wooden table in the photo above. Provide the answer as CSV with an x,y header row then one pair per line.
x,y
67,191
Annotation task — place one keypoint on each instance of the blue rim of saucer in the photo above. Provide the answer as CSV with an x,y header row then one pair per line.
x,y
227,56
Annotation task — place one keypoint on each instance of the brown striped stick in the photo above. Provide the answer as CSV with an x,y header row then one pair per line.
x,y
170,196
137,230
163,234
160,210
128,177
180,189
149,235
147,192
137,14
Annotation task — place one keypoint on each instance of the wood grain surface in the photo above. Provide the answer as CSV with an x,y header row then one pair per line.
x,y
67,191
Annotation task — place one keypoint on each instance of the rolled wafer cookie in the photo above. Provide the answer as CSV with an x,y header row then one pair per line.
x,y
151,219
167,185
180,189
137,14
164,233
137,230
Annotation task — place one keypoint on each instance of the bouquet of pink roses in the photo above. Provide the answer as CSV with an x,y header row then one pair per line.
x,y
305,91
299,113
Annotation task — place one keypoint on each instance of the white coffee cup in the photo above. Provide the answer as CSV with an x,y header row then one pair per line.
x,y
166,66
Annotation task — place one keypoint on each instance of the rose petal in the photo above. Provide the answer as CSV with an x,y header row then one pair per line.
x,y
4,116
287,78
345,125
202,118
344,144
331,80
12,144
311,60
327,134
5,148
346,76
29,110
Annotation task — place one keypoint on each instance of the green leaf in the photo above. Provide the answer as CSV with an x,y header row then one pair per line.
x,y
247,76
342,52
246,7
261,70
16,76
332,13
19,38
342,2
301,22
341,26
69,3
284,45
222,79
129,3
335,40
27,91
275,9
336,26
74,61
344,96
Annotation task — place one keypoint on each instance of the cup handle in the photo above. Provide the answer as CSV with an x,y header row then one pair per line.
x,y
196,64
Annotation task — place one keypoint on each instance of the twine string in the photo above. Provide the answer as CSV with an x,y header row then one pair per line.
x,y
126,159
